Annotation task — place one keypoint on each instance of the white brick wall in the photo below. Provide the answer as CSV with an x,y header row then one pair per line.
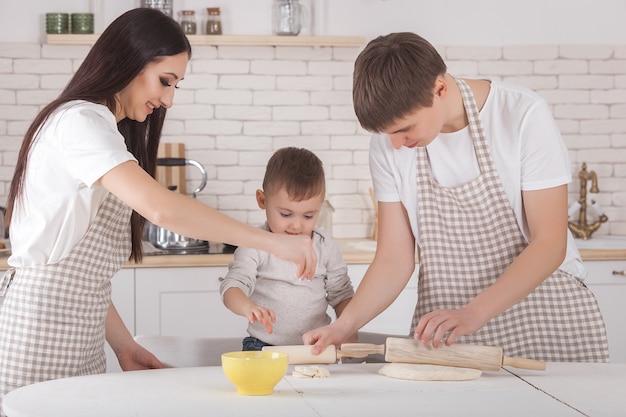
x,y
238,104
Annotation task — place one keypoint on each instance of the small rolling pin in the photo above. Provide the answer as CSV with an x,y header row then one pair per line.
x,y
299,354
401,350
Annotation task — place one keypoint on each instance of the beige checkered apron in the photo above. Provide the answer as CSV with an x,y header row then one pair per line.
x,y
468,237
52,319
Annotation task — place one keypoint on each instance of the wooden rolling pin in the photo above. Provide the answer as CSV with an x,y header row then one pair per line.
x,y
299,354
395,349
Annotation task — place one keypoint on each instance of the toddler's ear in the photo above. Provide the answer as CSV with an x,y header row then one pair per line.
x,y
260,199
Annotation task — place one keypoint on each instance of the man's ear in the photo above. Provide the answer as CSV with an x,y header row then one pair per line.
x,y
260,199
441,87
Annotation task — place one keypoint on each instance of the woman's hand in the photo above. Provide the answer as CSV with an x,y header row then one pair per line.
x,y
297,249
135,357
130,354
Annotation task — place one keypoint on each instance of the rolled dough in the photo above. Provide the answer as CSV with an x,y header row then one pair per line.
x,y
419,372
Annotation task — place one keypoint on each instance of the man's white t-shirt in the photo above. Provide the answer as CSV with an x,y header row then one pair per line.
x,y
76,146
525,144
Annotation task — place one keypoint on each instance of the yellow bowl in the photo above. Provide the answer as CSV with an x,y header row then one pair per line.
x,y
254,372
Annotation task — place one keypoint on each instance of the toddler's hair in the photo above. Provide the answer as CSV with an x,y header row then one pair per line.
x,y
298,170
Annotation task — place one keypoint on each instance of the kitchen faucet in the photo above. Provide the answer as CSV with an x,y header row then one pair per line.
x,y
581,229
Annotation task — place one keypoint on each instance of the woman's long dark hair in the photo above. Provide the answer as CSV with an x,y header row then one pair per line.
x,y
128,44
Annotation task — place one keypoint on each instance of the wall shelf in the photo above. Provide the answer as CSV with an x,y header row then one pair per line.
x,y
232,40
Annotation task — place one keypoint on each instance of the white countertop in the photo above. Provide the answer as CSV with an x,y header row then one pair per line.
x,y
564,389
361,251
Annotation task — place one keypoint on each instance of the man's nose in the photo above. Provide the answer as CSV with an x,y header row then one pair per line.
x,y
398,140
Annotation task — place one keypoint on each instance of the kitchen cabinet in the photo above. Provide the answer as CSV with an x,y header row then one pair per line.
x,y
179,295
610,291
181,301
186,302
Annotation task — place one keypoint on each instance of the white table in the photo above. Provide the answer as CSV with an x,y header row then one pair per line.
x,y
564,389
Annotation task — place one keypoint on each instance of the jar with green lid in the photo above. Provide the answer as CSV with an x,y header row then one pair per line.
x,y
214,21
57,23
82,23
188,22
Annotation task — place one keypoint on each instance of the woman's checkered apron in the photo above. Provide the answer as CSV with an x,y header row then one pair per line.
x,y
52,319
468,237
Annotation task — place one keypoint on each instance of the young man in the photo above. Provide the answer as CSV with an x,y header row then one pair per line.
x,y
475,173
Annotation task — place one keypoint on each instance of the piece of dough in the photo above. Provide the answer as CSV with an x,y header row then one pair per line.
x,y
310,371
419,372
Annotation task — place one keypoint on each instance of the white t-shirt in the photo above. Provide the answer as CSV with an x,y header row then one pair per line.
x,y
76,146
525,144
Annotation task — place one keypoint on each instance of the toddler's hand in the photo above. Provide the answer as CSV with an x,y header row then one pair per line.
x,y
263,315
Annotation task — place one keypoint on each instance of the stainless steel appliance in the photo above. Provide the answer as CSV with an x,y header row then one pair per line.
x,y
172,242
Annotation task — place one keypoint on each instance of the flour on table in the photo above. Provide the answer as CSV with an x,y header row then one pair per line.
x,y
419,372
310,371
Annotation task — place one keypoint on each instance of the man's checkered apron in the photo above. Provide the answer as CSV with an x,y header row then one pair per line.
x,y
468,237
52,319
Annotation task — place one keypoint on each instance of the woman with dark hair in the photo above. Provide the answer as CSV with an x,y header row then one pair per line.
x,y
82,189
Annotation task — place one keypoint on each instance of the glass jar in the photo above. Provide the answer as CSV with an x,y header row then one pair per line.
x,y
288,17
214,21
163,5
188,22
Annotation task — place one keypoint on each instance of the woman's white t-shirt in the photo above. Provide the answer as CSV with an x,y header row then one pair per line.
x,y
75,147
525,144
